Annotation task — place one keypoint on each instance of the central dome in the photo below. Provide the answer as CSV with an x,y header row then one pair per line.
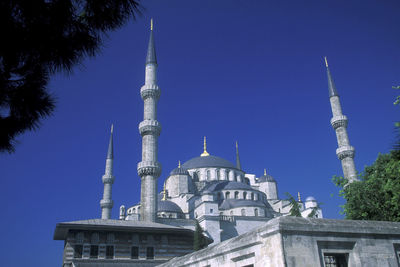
x,y
207,161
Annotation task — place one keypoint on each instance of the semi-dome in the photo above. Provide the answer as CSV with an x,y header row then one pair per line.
x,y
228,204
310,199
226,185
168,206
179,171
208,161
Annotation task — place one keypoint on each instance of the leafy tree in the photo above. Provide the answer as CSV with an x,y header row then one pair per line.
x,y
200,240
39,38
295,206
377,195
397,124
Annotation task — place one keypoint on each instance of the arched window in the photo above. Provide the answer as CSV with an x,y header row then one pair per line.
x,y
231,213
244,195
218,174
227,195
256,212
252,196
236,194
208,175
243,212
170,216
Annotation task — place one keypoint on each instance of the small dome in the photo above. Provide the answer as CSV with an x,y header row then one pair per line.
x,y
179,171
310,199
226,185
208,161
168,206
266,178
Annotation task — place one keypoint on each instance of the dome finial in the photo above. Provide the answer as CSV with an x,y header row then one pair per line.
x,y
205,153
298,196
326,62
179,163
265,172
151,24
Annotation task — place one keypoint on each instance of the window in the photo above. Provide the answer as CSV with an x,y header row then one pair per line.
x,y
256,212
142,238
94,251
208,175
110,238
231,213
211,211
252,196
243,212
218,175
244,195
78,251
109,252
227,195
236,194
150,253
79,238
134,252
335,260
95,238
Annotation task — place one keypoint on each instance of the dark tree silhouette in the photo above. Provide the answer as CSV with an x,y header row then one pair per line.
x,y
39,38
199,241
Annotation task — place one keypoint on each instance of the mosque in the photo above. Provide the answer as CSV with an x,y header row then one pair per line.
x,y
221,196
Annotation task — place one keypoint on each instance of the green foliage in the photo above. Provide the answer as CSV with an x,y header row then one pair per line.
x,y
377,195
40,38
314,211
397,101
295,206
200,240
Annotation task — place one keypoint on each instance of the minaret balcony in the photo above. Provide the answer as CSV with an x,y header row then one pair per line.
x,y
345,152
108,179
150,90
149,168
149,127
339,121
106,203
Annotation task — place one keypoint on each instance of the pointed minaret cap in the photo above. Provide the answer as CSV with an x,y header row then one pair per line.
x,y
238,165
205,153
151,51
265,172
331,84
110,152
298,196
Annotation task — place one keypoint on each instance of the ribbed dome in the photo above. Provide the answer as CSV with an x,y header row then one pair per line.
x,y
179,171
168,206
310,199
207,161
226,185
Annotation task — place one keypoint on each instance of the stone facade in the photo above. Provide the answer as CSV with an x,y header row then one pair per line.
x,y
291,241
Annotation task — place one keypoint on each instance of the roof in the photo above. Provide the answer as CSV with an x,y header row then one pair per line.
x,y
266,178
151,57
208,161
168,206
179,171
228,204
226,185
331,84
310,199
62,229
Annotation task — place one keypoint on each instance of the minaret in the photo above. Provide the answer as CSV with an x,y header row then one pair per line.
x,y
106,203
149,169
345,152
238,165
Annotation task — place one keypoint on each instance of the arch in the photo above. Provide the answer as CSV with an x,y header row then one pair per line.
x,y
218,174
244,195
208,175
252,196
243,212
227,195
236,194
231,213
256,212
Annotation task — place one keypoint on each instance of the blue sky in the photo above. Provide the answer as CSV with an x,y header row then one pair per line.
x,y
241,70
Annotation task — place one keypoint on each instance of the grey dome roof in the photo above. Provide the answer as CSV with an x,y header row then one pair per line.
x,y
168,206
228,204
179,171
208,161
310,199
266,178
226,185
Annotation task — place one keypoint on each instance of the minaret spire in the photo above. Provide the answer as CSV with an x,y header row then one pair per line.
x,y
238,165
149,169
106,203
345,151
